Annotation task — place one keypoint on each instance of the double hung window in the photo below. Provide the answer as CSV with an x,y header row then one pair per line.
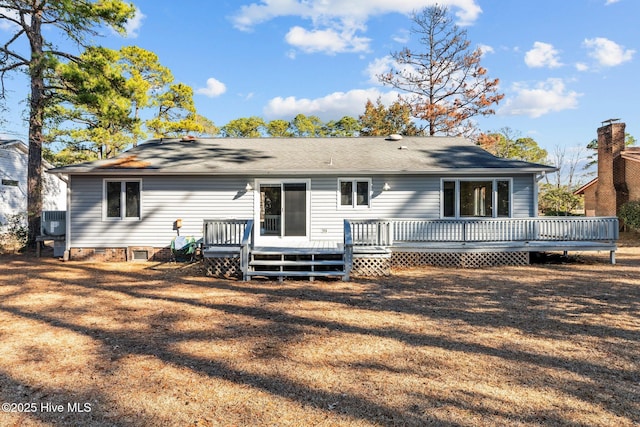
x,y
122,199
354,192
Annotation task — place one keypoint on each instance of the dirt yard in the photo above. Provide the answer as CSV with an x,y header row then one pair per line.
x,y
144,344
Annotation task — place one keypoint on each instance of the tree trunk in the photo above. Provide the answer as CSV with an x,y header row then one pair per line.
x,y
36,115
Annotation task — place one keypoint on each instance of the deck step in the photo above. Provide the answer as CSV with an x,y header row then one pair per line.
x,y
294,252
296,273
370,250
221,252
295,263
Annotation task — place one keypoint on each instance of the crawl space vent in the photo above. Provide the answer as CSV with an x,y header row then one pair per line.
x,y
140,255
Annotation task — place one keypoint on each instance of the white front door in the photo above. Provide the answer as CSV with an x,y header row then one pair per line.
x,y
282,211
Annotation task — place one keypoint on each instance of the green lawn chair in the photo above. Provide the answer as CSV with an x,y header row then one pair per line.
x,y
183,249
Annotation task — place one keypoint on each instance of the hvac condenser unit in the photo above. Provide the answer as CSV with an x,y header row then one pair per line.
x,y
53,223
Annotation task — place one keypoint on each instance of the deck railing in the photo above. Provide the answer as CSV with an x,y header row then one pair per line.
x,y
232,235
271,224
223,232
386,232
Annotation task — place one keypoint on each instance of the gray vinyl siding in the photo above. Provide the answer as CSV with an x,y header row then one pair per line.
x,y
523,196
167,198
410,197
163,200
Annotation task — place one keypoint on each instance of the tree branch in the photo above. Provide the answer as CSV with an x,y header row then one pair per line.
x,y
65,55
8,52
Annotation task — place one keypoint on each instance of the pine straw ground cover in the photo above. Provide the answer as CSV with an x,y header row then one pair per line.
x,y
145,344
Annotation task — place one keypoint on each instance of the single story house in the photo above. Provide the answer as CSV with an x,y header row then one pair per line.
x,y
13,182
310,206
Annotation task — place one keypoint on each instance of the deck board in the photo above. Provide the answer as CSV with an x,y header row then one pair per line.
x,y
294,248
514,246
324,246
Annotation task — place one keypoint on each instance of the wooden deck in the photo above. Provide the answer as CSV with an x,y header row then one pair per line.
x,y
434,247
371,238
575,234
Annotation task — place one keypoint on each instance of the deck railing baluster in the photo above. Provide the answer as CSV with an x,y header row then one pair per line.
x,y
385,232
223,232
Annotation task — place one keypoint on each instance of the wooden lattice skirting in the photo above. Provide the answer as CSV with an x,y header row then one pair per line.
x,y
463,259
371,266
223,267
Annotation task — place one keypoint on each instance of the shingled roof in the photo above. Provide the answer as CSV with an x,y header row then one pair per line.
x,y
304,156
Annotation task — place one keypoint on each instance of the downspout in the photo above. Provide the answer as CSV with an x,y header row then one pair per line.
x,y
537,179
67,245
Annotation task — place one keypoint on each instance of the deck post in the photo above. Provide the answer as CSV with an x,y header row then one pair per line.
x,y
245,249
348,250
244,262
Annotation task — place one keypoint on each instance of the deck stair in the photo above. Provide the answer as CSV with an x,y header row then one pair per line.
x,y
296,262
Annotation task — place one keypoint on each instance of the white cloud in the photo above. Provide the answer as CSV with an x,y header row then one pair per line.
x,y
386,64
214,88
467,11
608,2
402,37
486,49
608,53
542,55
581,66
134,24
545,97
379,66
328,41
329,107
339,20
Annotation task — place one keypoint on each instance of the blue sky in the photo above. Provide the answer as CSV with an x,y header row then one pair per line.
x,y
564,66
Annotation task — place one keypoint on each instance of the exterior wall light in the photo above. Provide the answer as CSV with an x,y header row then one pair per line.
x,y
386,187
248,187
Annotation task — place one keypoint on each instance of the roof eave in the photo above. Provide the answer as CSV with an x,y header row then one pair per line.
x,y
459,171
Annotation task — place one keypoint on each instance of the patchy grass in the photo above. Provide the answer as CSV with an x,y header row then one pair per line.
x,y
160,344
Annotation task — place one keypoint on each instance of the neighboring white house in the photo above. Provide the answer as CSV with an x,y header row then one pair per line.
x,y
13,182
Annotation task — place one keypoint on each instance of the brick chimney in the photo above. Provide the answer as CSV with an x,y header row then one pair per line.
x,y
610,178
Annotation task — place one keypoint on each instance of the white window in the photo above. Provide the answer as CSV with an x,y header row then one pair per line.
x,y
354,193
10,182
476,197
122,199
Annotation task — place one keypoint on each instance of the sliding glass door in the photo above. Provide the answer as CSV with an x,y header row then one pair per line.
x,y
282,209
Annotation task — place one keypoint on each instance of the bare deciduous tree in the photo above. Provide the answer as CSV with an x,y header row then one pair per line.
x,y
445,84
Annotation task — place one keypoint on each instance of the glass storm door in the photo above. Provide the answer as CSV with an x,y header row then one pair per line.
x,y
283,209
